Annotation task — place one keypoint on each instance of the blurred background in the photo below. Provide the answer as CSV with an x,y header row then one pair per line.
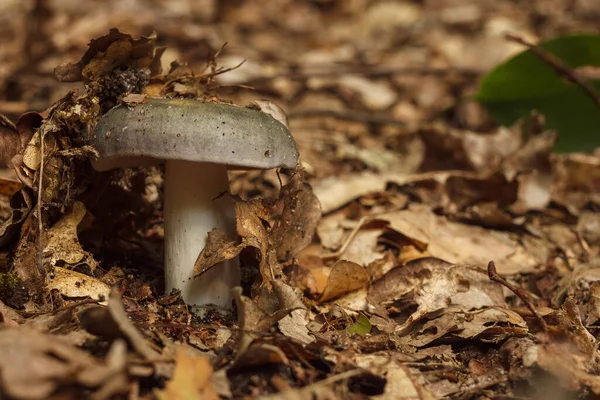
x,y
367,84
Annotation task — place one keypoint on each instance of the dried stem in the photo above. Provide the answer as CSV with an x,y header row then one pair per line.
x,y
40,263
560,67
348,240
493,274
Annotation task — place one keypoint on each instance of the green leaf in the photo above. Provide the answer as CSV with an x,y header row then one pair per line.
x,y
526,83
362,326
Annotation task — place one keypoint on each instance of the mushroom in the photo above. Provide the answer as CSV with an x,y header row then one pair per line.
x,y
197,140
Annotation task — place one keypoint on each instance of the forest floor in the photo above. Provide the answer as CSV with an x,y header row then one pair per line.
x,y
419,251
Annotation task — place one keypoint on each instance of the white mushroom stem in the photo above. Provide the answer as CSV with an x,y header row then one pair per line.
x,y
192,208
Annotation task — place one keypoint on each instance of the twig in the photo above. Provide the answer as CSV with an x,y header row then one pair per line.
x,y
53,312
349,239
335,378
560,67
351,115
40,263
493,274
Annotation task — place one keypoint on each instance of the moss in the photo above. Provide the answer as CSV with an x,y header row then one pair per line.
x,y
13,290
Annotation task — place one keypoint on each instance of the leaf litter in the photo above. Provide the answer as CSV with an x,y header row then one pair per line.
x,y
364,269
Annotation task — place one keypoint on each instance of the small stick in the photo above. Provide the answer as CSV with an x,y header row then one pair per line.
x,y
493,274
348,240
559,66
40,263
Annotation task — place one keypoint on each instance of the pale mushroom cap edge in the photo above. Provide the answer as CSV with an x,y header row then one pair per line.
x,y
191,130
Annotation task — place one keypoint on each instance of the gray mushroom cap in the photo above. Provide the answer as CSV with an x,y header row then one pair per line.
x,y
191,130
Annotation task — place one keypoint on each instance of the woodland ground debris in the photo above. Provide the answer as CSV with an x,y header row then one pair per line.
x,y
408,209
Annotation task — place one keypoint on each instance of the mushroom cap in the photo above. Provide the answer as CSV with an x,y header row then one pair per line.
x,y
191,130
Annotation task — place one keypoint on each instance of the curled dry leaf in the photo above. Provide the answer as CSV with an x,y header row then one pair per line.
x,y
489,324
111,51
299,219
218,248
268,107
251,217
461,243
259,354
345,277
434,285
61,241
74,284
285,297
400,384
9,141
34,365
301,213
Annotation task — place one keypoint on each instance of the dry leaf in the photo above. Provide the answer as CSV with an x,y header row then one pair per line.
x,y
191,380
345,277
34,365
299,219
61,242
74,284
460,243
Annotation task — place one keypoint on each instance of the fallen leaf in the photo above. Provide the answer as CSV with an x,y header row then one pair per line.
x,y
133,99
9,183
74,284
129,331
299,219
61,240
345,277
460,243
252,319
34,365
399,382
218,248
294,324
362,326
9,141
191,380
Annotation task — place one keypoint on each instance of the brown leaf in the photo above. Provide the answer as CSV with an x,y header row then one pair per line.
x,y
74,284
62,243
252,225
280,296
301,214
9,183
253,319
129,331
191,380
345,277
33,365
461,243
260,354
218,249
9,141
435,285
110,51
133,99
